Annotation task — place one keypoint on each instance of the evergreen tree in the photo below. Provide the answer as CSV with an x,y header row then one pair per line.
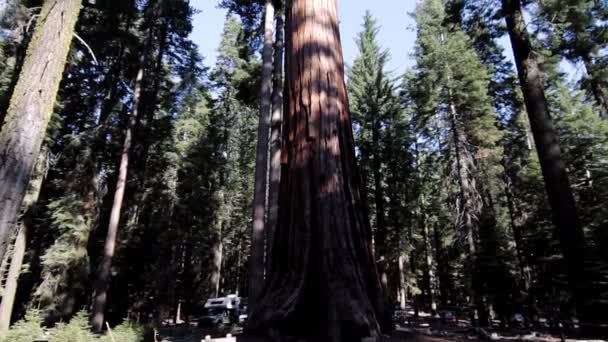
x,y
456,112
374,104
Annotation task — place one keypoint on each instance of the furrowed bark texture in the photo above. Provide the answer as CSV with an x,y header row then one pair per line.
x,y
31,106
559,192
323,284
256,266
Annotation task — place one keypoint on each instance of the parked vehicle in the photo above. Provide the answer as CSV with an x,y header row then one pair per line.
x,y
222,310
243,314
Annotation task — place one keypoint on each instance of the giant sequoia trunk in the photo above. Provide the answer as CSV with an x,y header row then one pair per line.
x,y
256,267
104,268
31,106
322,283
565,216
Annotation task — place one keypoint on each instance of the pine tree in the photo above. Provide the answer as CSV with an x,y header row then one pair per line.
x,y
373,103
454,107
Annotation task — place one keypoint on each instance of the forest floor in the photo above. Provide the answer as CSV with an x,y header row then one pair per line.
x,y
420,332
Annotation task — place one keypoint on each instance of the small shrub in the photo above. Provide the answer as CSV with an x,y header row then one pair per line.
x,y
77,330
26,330
125,332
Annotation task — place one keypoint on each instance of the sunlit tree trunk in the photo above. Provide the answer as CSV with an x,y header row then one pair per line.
x,y
256,267
19,247
559,192
401,262
429,272
218,253
31,107
322,284
104,268
275,135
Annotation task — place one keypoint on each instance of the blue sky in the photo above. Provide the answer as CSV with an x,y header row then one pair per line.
x,y
396,32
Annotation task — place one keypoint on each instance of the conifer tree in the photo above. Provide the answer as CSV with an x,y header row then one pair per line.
x,y
452,99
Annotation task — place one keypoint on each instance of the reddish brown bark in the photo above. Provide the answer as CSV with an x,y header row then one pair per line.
x,y
323,283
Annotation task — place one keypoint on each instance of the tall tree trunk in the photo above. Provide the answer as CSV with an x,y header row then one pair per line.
x,y
218,256
103,271
257,265
443,275
517,234
380,236
31,107
12,280
429,273
402,281
469,210
275,137
322,284
559,192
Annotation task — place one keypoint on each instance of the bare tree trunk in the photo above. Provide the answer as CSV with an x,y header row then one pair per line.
x,y
429,281
559,192
402,281
256,266
31,106
380,236
322,284
12,280
103,272
218,255
517,234
275,137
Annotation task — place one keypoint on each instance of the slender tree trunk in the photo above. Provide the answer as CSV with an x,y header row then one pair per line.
x,y
517,234
218,255
103,272
275,137
559,192
12,280
322,284
402,283
380,236
429,274
31,106
470,210
257,265
442,273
